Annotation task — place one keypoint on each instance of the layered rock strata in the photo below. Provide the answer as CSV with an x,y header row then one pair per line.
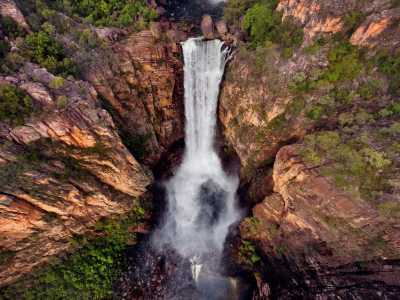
x,y
8,8
146,91
63,170
328,241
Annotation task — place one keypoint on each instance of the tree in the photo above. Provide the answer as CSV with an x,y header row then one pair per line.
x,y
14,104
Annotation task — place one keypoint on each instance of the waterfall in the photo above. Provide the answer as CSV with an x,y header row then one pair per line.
x,y
200,195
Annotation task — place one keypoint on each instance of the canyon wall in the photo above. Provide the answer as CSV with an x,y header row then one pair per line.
x,y
63,170
327,240
145,89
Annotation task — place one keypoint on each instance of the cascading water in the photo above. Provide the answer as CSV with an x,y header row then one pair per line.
x,y
201,196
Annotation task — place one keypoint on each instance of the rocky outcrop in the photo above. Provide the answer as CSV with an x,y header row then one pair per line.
x,y
375,29
250,107
63,170
318,233
8,8
325,19
145,90
207,27
318,17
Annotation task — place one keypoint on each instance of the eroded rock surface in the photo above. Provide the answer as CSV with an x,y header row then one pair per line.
x,y
8,8
63,170
146,92
319,234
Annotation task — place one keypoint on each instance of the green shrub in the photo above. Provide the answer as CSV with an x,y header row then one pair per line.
x,y
315,113
389,209
296,106
277,122
374,158
234,10
327,139
62,101
343,62
265,26
49,53
14,104
234,122
352,21
287,53
395,108
137,146
11,28
88,273
327,100
378,244
371,88
58,83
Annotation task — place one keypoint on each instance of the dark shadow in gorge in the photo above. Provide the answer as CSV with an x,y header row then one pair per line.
x,y
193,10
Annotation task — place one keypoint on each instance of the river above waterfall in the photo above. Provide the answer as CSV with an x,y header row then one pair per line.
x,y
194,10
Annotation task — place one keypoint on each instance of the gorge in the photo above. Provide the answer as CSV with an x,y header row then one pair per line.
x,y
150,152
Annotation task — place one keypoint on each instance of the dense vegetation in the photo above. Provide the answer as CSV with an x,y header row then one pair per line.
x,y
14,105
91,270
49,53
110,13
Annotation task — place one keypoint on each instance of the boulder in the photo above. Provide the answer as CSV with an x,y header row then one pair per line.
x,y
207,26
153,4
163,2
238,36
110,33
176,36
43,76
156,30
221,27
164,26
174,26
26,134
38,92
160,11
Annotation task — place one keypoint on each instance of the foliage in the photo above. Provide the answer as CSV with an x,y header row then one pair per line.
x,y
342,96
296,106
62,101
49,53
314,113
395,108
90,271
277,122
14,104
389,64
107,13
352,21
344,62
234,10
371,88
113,12
11,28
389,209
348,159
57,83
265,25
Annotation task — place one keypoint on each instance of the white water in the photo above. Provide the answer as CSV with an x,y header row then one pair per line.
x,y
201,195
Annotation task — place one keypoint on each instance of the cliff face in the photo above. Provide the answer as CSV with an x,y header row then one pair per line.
x,y
145,89
376,28
326,18
8,8
328,241
63,170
